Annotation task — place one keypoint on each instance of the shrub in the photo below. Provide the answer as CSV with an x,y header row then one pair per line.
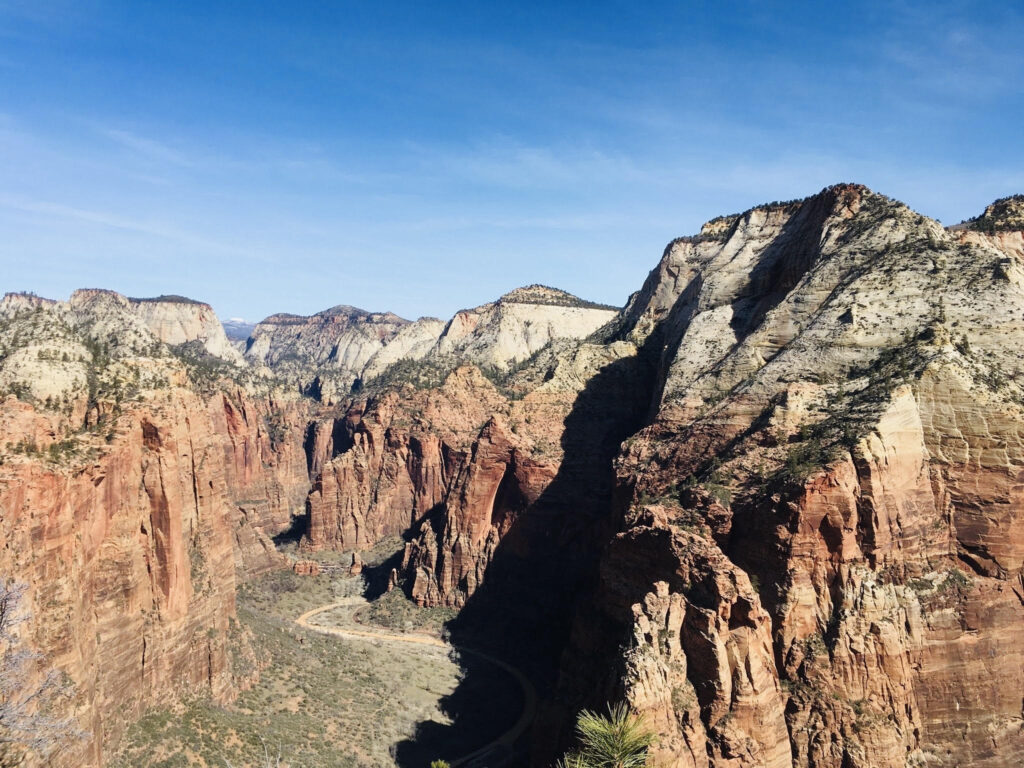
x,y
619,739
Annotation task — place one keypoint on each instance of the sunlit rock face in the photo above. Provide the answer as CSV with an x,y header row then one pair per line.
x,y
809,552
133,496
177,320
344,348
775,500
519,324
821,559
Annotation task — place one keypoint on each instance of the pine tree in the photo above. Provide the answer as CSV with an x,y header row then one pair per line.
x,y
619,739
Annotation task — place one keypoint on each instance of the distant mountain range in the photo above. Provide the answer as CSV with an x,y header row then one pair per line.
x,y
237,329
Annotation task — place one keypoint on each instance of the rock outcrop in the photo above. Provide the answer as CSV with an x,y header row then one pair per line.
x,y
342,349
128,559
132,496
339,346
774,503
820,520
177,320
404,454
519,324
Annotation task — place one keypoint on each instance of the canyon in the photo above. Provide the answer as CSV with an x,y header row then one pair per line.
x,y
773,503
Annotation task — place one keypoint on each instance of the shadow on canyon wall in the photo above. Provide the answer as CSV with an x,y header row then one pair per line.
x,y
523,610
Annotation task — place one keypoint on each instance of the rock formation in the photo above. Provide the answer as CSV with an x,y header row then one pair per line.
x,y
343,348
176,320
774,503
820,526
132,491
337,346
519,324
817,521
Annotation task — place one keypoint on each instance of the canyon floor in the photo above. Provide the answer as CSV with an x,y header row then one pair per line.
x,y
343,681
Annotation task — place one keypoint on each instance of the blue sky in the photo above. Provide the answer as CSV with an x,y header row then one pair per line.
x,y
424,157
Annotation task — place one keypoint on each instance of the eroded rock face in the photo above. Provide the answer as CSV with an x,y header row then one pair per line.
x,y
342,349
519,324
399,463
460,467
129,564
177,320
334,349
838,427
776,500
130,547
500,482
269,462
131,500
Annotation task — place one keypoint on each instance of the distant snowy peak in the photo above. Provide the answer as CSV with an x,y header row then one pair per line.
x,y
237,328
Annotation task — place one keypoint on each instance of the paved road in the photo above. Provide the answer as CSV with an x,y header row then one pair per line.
x,y
493,753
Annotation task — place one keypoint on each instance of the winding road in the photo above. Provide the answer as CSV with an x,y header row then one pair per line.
x,y
492,752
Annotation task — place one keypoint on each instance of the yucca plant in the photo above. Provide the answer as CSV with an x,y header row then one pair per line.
x,y
619,739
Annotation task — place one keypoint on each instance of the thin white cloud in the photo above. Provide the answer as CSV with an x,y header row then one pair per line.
x,y
145,147
113,221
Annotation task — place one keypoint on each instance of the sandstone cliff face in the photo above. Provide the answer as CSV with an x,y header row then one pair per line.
x,y
128,559
130,497
459,467
340,344
837,426
343,348
400,463
499,483
177,320
774,503
99,381
42,340
268,461
519,324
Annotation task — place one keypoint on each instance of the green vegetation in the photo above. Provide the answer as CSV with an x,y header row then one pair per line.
x,y
855,407
324,702
170,298
205,371
421,374
432,372
276,424
619,739
393,610
815,645
944,590
70,450
544,295
808,455
1004,215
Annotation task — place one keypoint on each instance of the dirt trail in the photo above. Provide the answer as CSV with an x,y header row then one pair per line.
x,y
496,749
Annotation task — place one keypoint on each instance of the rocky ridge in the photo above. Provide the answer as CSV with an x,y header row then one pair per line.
x,y
814,528
136,486
176,320
344,348
810,552
772,503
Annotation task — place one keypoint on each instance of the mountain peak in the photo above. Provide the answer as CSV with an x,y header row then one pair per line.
x,y
170,298
547,296
1002,215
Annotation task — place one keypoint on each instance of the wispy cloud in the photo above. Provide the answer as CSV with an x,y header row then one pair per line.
x,y
145,147
114,221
